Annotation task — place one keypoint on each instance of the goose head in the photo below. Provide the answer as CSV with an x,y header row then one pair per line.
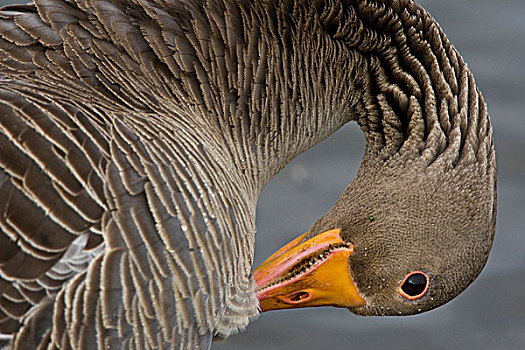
x,y
402,239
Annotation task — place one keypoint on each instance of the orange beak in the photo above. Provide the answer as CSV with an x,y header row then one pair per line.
x,y
312,273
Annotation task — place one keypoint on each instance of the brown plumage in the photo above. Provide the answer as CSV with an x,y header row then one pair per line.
x,y
136,136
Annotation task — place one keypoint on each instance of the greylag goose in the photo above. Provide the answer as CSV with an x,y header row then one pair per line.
x,y
136,136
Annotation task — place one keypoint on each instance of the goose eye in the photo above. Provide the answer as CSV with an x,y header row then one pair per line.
x,y
414,286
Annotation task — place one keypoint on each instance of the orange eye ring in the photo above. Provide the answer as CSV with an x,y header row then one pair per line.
x,y
414,285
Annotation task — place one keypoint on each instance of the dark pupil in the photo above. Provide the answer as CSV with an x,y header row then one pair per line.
x,y
415,284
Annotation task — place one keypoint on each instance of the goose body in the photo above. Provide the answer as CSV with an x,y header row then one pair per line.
x,y
136,136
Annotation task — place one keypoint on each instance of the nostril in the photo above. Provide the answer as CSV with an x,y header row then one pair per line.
x,y
300,296
296,298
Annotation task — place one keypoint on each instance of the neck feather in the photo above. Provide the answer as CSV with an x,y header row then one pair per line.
x,y
275,78
419,100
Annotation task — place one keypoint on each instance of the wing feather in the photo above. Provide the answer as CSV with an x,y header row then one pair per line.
x,y
51,197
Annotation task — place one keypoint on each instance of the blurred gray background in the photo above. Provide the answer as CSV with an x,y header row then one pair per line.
x,y
490,34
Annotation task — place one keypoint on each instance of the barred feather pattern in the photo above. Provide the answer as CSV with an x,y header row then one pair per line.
x,y
136,136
